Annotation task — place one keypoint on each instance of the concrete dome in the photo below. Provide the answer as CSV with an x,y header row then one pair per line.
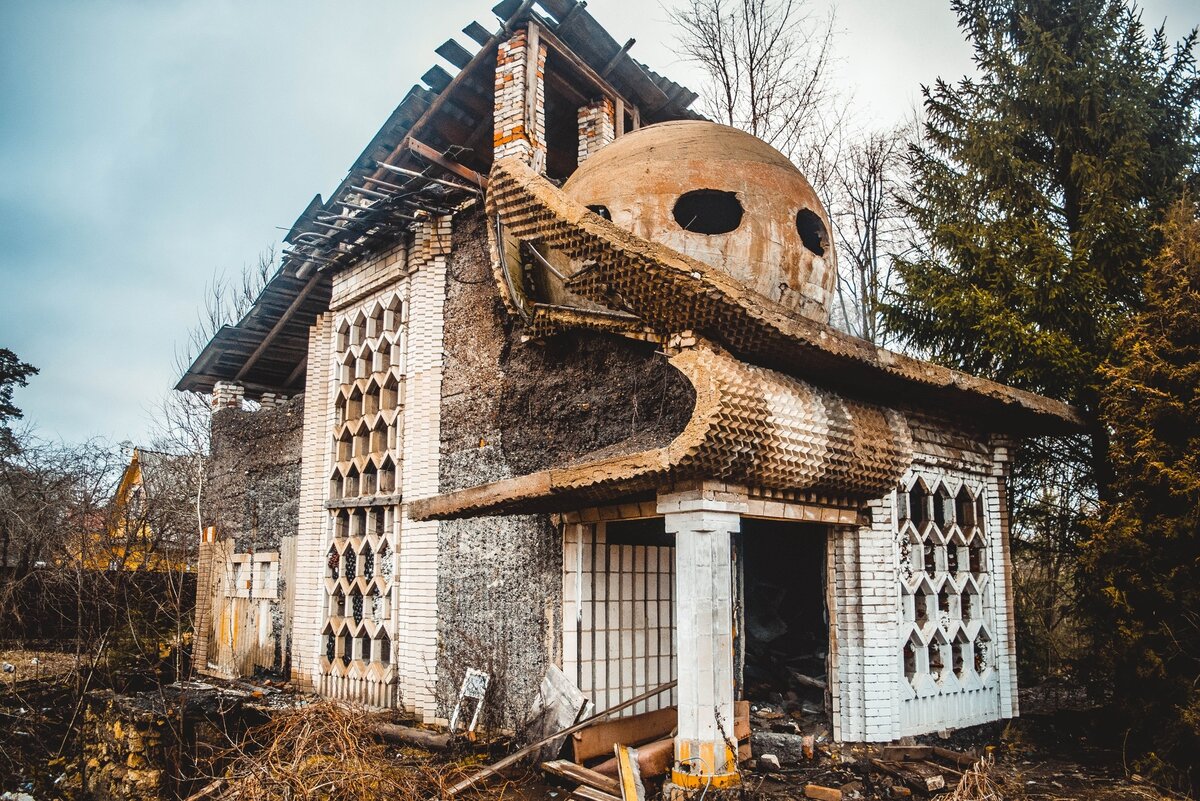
x,y
723,197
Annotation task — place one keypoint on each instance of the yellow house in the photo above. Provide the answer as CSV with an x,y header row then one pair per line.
x,y
148,525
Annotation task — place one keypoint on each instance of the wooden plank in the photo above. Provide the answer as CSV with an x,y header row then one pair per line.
x,y
517,756
477,32
566,769
533,45
431,155
599,740
628,775
822,793
278,326
455,53
654,759
590,74
591,794
437,78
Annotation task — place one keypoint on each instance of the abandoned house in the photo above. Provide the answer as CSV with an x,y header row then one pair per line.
x,y
548,380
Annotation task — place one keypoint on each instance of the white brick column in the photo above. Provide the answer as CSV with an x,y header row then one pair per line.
x,y
703,521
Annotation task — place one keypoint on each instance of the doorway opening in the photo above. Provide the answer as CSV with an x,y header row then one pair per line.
x,y
783,642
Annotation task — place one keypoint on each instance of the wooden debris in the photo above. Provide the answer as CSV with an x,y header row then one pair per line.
x,y
586,793
918,775
407,735
822,793
654,759
628,775
517,756
637,730
566,769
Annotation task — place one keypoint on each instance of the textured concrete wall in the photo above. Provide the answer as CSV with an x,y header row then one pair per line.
x,y
509,408
252,499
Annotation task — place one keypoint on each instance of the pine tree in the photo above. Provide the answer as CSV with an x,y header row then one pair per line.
x,y
1142,563
1038,185
1037,188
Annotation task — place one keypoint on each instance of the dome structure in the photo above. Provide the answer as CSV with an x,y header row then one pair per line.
x,y
722,197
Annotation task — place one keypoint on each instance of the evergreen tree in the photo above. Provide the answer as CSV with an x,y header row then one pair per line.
x,y
1143,561
13,373
1038,186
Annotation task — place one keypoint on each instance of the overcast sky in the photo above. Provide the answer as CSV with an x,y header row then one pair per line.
x,y
146,145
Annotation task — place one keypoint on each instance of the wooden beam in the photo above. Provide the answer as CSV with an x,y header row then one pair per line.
x,y
429,154
581,66
566,769
279,324
612,62
533,46
296,373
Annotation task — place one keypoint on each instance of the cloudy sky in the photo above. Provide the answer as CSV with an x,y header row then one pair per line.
x,y
147,145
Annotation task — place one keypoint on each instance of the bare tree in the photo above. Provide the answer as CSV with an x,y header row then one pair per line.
x,y
765,64
868,177
227,299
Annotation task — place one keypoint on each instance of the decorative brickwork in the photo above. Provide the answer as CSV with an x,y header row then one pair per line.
x,y
596,127
359,631
921,638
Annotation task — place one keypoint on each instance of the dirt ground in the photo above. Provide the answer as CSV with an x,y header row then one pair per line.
x,y
33,665
1059,750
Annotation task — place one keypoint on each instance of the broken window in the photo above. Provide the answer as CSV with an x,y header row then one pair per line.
x,y
813,233
708,211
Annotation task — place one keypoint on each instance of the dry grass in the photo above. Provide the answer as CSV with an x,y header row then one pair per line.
x,y
978,783
323,752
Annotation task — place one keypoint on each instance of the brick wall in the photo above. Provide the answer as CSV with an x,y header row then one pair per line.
x,y
881,690
596,127
520,130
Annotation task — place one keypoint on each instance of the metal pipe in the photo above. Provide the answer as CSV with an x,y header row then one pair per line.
x,y
542,260
387,185
311,257
431,179
362,190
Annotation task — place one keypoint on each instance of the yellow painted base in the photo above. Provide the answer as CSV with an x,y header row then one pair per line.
x,y
698,781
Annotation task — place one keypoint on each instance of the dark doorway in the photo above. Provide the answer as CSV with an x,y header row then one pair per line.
x,y
784,642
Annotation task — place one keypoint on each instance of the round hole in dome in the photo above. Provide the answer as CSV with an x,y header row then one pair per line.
x,y
601,211
812,231
708,211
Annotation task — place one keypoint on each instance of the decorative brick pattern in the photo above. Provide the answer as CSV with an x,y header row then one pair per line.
x,y
596,128
921,636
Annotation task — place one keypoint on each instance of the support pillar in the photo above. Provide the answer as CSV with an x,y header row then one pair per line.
x,y
703,520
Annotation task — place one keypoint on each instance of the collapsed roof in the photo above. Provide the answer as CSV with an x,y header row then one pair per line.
x,y
404,170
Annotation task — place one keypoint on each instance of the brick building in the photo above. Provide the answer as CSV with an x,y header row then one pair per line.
x,y
548,380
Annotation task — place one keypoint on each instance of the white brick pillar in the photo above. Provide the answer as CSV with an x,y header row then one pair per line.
x,y
703,521
227,395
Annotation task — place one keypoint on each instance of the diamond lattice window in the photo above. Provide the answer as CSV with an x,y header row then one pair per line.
x,y
368,376
942,547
